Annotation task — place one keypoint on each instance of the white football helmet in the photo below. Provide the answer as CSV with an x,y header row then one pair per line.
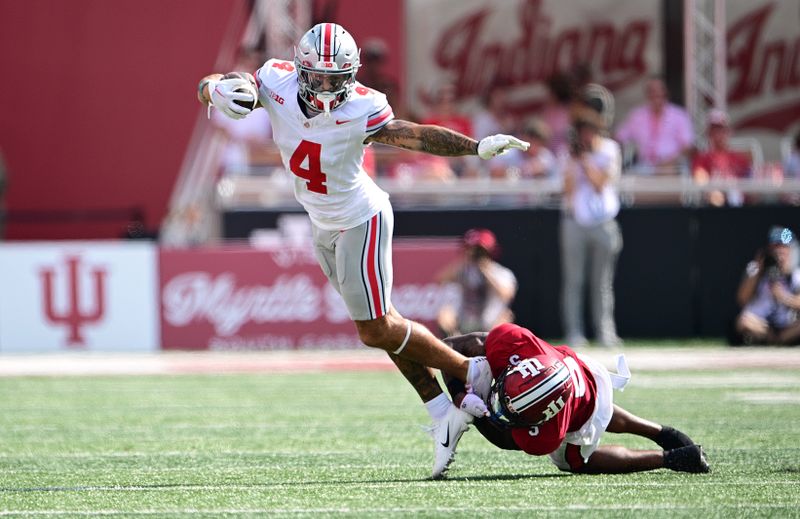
x,y
327,59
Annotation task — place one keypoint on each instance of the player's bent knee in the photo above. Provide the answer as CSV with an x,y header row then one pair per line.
x,y
568,458
378,333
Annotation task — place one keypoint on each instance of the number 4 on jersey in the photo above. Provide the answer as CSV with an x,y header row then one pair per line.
x,y
315,178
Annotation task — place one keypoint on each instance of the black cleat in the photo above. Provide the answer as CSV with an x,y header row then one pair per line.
x,y
670,438
687,459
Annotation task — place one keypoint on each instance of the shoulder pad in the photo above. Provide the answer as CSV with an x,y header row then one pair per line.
x,y
369,103
274,70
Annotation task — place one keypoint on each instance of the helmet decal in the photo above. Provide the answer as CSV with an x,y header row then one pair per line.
x,y
532,392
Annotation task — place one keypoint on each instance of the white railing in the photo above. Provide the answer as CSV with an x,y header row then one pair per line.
x,y
275,191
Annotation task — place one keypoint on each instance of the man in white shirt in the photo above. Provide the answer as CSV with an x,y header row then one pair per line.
x,y
590,234
322,121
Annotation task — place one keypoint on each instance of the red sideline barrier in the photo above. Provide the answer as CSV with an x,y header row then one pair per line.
x,y
265,299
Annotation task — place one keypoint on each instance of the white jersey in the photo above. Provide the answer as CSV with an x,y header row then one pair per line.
x,y
325,154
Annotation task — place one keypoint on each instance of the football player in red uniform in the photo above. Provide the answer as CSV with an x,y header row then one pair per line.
x,y
549,400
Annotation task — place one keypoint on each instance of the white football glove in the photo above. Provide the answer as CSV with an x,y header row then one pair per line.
x,y
494,145
224,93
472,404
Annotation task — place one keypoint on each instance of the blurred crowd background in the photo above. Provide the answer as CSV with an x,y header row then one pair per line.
x,y
692,105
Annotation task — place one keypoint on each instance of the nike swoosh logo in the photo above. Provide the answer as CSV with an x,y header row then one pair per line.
x,y
341,122
447,443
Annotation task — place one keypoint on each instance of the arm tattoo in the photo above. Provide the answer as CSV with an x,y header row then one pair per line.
x,y
421,377
423,137
396,133
441,141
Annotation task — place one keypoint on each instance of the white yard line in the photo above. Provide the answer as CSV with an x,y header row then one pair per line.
x,y
399,510
172,363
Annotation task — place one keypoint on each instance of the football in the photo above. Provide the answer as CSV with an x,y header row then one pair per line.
x,y
246,90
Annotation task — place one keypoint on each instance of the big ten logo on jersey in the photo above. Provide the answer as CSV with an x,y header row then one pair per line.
x,y
275,97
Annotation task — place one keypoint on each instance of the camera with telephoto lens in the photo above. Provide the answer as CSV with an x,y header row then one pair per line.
x,y
771,268
576,147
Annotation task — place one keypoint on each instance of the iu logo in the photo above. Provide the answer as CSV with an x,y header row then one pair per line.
x,y
76,314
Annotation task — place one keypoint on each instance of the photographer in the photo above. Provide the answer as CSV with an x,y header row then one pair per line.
x,y
487,287
590,236
770,293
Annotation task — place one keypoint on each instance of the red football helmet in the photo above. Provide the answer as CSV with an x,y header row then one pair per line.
x,y
532,392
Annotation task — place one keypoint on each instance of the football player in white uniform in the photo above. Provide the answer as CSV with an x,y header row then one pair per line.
x,y
322,120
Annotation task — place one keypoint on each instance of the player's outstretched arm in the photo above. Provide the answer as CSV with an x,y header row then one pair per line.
x,y
438,140
234,94
425,137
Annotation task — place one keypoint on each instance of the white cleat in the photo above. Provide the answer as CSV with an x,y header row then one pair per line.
x,y
479,376
446,434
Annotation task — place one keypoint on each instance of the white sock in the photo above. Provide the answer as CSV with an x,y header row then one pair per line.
x,y
438,407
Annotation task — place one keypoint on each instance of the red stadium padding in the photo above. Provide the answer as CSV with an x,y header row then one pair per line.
x,y
246,299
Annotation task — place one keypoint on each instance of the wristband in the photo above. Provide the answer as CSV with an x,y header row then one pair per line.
x,y
212,85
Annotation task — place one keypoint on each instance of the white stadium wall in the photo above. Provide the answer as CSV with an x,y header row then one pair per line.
x,y
134,297
764,70
518,44
78,296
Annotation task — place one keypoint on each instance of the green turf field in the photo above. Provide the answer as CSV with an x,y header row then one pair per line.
x,y
336,444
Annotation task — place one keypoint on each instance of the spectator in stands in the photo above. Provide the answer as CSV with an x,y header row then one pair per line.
x,y
791,168
769,293
556,111
720,162
493,115
374,74
445,113
537,162
590,236
487,288
660,132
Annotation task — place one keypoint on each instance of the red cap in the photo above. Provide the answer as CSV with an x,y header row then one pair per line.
x,y
483,238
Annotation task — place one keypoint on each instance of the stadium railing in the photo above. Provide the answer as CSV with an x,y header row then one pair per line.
x,y
275,191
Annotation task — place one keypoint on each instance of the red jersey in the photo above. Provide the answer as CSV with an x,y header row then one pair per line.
x,y
723,164
506,346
